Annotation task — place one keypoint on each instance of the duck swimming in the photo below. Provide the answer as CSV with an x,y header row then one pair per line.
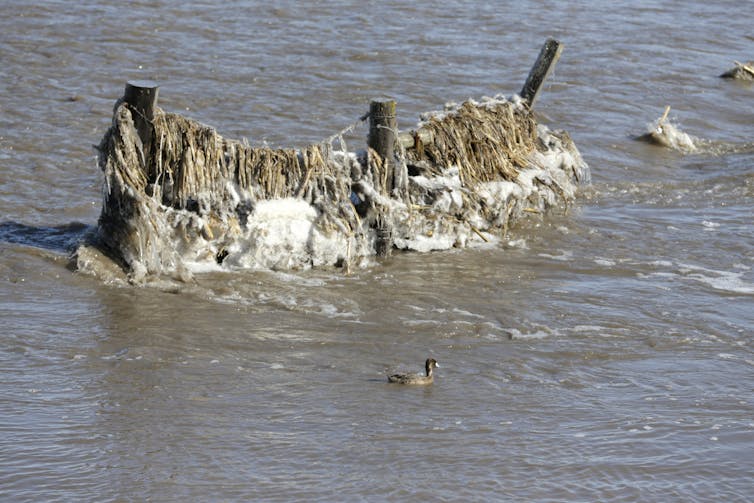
x,y
429,365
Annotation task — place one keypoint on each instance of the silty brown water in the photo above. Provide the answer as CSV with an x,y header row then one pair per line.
x,y
598,354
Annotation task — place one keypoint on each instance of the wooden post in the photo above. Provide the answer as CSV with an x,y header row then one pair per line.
x,y
382,128
548,56
383,245
141,97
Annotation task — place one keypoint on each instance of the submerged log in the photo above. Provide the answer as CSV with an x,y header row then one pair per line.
x,y
410,139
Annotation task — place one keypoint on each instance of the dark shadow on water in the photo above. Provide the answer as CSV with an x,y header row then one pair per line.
x,y
60,238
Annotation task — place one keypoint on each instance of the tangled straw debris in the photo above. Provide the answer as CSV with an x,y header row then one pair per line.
x,y
188,199
741,71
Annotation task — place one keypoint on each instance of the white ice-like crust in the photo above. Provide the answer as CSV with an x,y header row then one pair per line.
x,y
277,235
282,234
668,135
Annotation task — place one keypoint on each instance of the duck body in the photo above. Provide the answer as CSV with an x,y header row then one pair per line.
x,y
417,379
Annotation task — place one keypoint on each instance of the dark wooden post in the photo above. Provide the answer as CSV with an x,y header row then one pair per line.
x,y
141,97
548,56
382,128
383,245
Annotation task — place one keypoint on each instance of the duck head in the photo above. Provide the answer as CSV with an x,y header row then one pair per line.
x,y
430,365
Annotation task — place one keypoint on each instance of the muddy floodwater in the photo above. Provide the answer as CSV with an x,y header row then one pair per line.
x,y
599,353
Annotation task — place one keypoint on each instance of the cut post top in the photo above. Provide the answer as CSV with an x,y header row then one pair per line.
x,y
382,107
383,125
141,95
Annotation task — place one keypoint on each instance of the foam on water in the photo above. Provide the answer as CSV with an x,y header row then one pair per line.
x,y
278,236
669,135
605,262
727,281
564,255
515,333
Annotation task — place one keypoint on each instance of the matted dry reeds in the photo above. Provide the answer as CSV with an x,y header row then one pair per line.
x,y
188,191
487,142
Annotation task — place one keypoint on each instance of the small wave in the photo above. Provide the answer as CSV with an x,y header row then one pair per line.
x,y
564,255
598,330
727,281
519,243
721,280
60,238
537,334
605,262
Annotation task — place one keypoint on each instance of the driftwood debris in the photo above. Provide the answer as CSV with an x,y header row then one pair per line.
x,y
178,194
663,133
741,71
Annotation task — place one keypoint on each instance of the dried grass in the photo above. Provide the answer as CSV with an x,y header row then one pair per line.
x,y
487,142
190,189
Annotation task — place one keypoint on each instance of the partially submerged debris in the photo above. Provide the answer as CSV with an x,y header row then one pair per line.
x,y
178,197
741,71
663,133
195,200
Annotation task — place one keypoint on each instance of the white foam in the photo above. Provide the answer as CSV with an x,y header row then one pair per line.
x,y
278,231
427,243
728,281
204,266
668,135
588,328
517,334
720,280
518,243
463,312
564,255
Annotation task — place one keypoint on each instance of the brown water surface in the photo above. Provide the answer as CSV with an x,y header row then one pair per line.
x,y
603,354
